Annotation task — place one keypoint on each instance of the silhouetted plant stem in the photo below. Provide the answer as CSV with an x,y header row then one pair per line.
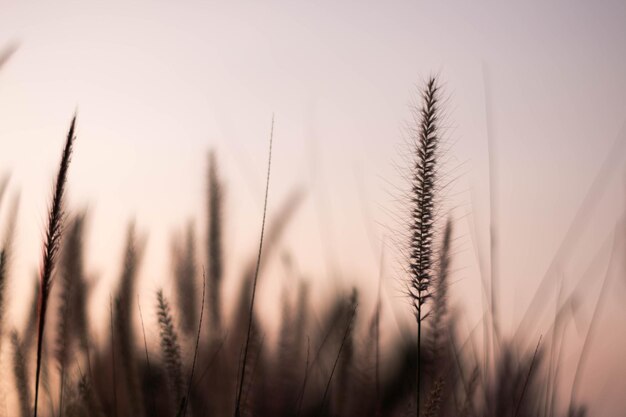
x,y
170,349
51,248
306,377
145,345
195,352
530,369
214,245
113,356
343,342
422,211
21,375
256,276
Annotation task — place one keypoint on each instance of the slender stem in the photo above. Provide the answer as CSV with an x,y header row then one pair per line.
x,y
61,393
419,358
195,352
256,276
51,247
306,376
145,345
113,347
343,342
530,369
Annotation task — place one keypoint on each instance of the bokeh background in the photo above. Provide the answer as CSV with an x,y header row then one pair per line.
x,y
156,85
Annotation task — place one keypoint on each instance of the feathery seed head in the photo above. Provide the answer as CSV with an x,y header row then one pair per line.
x,y
423,196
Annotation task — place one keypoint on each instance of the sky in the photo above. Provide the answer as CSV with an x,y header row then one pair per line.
x,y
157,85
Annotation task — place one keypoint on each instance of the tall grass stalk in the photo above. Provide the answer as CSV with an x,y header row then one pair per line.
x,y
6,253
123,316
51,248
185,273
214,243
195,351
170,349
21,375
422,210
145,345
71,313
344,340
530,370
440,296
256,277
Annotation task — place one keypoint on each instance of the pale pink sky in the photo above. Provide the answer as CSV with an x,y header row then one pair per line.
x,y
157,84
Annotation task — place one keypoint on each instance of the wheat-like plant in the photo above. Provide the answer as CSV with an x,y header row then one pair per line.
x,y
170,349
254,282
215,196
6,251
185,274
440,296
71,316
21,375
423,210
51,248
123,320
340,372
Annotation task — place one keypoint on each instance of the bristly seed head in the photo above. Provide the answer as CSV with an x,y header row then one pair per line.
x,y
422,198
170,348
51,248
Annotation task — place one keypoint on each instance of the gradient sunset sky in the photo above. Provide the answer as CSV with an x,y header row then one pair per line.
x,y
156,85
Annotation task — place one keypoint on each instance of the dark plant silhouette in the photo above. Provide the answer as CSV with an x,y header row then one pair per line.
x,y
51,248
335,358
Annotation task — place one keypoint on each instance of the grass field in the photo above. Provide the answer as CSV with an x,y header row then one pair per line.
x,y
213,357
